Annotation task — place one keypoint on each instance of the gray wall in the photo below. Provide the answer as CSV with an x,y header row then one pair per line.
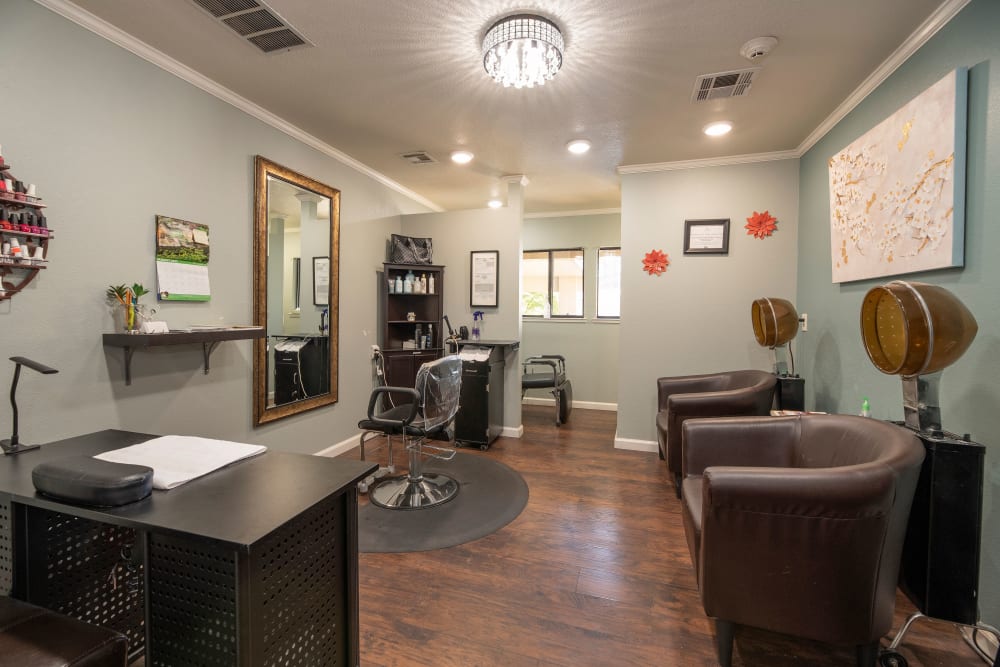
x,y
837,370
589,345
111,141
455,234
695,317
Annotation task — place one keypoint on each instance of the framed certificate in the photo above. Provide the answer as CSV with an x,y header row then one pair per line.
x,y
321,281
706,237
484,275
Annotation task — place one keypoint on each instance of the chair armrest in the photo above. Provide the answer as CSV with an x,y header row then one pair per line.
x,y
728,403
406,421
849,492
687,384
738,441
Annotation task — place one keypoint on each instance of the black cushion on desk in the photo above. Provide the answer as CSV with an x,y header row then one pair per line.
x,y
84,480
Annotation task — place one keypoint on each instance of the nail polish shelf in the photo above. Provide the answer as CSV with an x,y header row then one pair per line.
x,y
9,201
15,275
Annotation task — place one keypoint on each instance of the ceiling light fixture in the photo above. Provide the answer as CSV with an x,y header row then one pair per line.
x,y
461,157
578,146
718,129
494,203
522,50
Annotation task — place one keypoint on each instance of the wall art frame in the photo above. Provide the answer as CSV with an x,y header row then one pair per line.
x,y
897,193
706,237
484,278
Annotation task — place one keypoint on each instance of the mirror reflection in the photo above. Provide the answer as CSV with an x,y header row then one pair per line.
x,y
296,243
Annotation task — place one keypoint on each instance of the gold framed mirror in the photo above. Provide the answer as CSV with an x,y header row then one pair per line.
x,y
296,286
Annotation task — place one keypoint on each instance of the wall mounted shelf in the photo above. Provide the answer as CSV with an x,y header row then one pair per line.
x,y
208,338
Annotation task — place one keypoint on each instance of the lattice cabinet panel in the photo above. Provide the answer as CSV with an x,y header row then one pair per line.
x,y
6,549
192,603
92,571
299,572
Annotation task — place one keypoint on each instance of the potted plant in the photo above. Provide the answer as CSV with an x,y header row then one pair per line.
x,y
128,298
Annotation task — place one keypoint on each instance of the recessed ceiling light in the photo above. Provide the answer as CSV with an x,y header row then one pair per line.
x,y
461,157
718,129
494,203
578,146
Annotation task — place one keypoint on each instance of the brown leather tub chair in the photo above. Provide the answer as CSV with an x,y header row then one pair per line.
x,y
33,637
729,394
796,524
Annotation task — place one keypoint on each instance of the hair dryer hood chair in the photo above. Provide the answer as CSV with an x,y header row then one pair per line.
x,y
916,330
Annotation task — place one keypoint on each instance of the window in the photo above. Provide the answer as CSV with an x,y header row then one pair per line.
x,y
609,286
553,283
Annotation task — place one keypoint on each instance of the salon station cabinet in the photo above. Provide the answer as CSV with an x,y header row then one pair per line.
x,y
410,308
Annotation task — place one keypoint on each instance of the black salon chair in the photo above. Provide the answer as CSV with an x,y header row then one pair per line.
x,y
429,416
548,371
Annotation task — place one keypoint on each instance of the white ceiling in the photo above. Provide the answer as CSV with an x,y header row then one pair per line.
x,y
390,76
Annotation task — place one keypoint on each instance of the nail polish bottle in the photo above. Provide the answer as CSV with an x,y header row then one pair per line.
x,y
1,157
24,225
4,221
43,225
19,190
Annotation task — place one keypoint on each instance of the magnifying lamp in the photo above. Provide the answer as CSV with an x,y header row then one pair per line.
x,y
916,330
13,445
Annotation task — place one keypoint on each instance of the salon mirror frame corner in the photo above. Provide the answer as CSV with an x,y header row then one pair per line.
x,y
262,412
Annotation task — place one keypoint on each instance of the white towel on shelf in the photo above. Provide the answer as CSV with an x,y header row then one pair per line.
x,y
176,459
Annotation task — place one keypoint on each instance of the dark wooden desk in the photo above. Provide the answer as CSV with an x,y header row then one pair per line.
x,y
253,564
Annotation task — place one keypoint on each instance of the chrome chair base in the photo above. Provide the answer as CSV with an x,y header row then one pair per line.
x,y
425,490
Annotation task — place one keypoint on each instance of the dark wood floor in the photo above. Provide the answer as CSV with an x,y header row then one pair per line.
x,y
595,571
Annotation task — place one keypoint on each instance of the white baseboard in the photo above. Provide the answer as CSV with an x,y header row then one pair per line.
x,y
512,431
635,445
341,447
583,405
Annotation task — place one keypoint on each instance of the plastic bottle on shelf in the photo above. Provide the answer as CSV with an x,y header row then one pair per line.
x,y
430,284
408,283
430,336
866,408
398,287
423,283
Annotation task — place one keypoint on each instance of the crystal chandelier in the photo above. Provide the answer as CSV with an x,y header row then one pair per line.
x,y
523,50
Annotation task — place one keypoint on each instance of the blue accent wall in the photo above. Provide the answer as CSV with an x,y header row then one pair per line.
x,y
831,356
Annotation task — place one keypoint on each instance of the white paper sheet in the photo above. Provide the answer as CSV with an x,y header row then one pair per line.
x,y
176,459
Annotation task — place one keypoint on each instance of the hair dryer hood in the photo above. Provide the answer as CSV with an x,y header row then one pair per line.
x,y
913,329
775,321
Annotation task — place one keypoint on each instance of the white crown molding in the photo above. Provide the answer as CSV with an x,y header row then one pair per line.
x,y
941,16
708,162
571,214
102,28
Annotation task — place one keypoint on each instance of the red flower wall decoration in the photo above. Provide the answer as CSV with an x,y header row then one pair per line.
x,y
761,224
655,262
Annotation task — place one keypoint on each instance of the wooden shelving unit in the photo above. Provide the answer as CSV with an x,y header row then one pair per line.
x,y
17,273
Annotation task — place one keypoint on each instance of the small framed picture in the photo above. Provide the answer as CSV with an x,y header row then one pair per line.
x,y
706,237
484,276
321,281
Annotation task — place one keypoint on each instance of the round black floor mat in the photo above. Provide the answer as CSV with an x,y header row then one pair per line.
x,y
490,496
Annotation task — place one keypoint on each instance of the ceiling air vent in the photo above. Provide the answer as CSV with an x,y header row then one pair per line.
x,y
255,22
418,157
723,84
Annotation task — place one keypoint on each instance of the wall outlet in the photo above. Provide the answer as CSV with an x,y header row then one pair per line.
x,y
804,321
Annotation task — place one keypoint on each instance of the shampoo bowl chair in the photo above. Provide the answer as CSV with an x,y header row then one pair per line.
x,y
731,394
428,417
796,524
548,371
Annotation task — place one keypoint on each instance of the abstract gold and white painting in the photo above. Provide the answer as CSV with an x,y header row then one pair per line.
x,y
897,194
